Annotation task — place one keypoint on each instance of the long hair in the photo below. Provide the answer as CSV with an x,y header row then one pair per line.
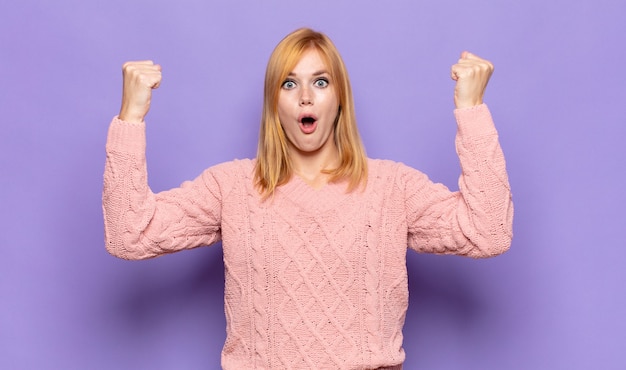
x,y
273,166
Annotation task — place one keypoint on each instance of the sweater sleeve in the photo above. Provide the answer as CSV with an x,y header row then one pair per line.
x,y
477,220
140,224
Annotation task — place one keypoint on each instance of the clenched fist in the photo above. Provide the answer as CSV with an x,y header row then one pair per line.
x,y
139,80
471,74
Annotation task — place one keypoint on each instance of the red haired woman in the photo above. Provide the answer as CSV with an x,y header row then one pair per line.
x,y
314,233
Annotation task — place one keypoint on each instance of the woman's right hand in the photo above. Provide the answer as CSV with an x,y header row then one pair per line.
x,y
139,79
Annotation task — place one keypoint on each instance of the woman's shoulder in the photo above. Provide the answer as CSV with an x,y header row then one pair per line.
x,y
385,166
392,171
231,170
235,165
235,175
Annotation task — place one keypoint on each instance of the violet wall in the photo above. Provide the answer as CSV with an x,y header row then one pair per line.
x,y
556,300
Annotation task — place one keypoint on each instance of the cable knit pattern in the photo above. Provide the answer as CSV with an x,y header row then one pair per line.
x,y
315,279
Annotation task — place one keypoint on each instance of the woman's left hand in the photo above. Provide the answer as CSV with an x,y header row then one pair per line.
x,y
471,74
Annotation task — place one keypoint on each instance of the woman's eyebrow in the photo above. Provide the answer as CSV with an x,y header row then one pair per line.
x,y
315,74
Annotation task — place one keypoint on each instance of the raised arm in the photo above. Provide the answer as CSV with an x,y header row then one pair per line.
x,y
477,220
138,223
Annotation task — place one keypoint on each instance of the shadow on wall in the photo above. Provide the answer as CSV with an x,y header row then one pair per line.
x,y
443,299
185,286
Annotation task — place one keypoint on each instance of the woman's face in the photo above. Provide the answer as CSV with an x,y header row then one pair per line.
x,y
308,106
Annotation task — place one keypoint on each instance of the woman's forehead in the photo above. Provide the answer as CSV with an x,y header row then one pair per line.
x,y
311,62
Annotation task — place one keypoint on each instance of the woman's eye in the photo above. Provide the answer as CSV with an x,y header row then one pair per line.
x,y
322,82
289,85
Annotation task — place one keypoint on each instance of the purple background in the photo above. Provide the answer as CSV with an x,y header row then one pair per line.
x,y
556,300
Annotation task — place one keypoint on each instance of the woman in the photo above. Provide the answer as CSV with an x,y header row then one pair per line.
x,y
314,233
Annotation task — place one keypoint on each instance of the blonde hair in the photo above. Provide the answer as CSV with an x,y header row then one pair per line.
x,y
273,166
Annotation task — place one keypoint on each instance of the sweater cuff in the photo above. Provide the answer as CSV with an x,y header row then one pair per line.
x,y
126,136
474,121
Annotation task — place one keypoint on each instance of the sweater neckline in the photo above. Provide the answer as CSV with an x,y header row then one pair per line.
x,y
327,197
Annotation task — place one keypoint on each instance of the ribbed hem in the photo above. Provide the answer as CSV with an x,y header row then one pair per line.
x,y
126,136
474,121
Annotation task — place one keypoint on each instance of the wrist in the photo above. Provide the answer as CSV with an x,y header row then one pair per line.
x,y
128,115
461,104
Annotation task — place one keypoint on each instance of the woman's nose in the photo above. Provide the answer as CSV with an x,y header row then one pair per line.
x,y
305,97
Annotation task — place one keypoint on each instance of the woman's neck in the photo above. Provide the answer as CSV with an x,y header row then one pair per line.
x,y
311,167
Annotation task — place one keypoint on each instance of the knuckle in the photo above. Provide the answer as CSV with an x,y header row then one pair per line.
x,y
129,67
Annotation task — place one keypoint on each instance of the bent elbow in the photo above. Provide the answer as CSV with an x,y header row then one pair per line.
x,y
495,245
116,252
496,249
119,251
126,249
500,239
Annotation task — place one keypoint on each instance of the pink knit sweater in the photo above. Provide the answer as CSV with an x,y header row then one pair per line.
x,y
314,278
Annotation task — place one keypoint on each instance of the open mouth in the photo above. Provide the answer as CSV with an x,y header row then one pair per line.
x,y
307,121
